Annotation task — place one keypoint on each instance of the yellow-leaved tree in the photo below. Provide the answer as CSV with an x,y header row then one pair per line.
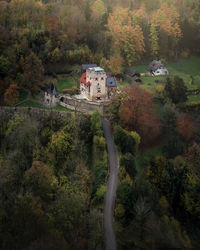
x,y
127,36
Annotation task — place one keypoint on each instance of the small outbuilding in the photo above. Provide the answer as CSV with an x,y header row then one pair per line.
x,y
133,74
111,85
51,95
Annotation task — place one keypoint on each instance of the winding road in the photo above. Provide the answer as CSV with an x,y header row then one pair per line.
x,y
109,201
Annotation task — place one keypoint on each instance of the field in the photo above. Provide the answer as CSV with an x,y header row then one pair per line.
x,y
31,103
65,82
188,70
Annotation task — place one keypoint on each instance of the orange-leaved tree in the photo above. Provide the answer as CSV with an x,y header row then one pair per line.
x,y
11,95
127,35
137,113
186,127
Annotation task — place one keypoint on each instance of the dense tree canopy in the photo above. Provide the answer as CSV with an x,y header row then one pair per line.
x,y
53,34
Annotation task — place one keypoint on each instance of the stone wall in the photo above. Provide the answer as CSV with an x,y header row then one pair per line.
x,y
83,105
6,113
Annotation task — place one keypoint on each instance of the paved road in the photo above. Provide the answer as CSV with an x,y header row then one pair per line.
x,y
109,202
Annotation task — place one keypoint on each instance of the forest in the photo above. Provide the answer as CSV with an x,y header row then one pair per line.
x,y
48,36
52,183
54,165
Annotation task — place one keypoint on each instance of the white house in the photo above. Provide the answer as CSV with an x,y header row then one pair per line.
x,y
157,68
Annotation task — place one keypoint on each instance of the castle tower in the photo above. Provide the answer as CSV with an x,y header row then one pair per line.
x,y
96,76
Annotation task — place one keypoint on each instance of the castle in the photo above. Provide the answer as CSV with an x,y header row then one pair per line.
x,y
95,85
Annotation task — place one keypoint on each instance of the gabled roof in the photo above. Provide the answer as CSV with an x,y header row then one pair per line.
x,y
87,66
111,82
154,65
83,79
131,72
51,89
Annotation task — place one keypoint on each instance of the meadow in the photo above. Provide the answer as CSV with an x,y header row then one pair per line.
x,y
187,69
65,82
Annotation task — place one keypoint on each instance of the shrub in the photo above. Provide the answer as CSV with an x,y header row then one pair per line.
x,y
99,141
124,140
101,192
128,161
72,91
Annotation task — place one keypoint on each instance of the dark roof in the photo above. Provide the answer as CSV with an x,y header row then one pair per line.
x,y
131,72
87,66
51,89
154,65
136,78
111,82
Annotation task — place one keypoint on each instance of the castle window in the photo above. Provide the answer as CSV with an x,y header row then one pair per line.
x,y
98,86
96,79
102,78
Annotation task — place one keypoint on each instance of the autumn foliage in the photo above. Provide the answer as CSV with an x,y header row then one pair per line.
x,y
186,127
11,95
168,20
128,37
137,113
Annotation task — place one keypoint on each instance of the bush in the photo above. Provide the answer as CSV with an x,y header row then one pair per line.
x,y
72,91
193,106
173,147
125,196
101,192
96,125
128,161
136,137
124,140
100,142
100,176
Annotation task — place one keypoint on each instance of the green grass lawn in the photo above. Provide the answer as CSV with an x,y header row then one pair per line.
x,y
35,104
61,108
148,82
193,98
65,83
183,68
31,104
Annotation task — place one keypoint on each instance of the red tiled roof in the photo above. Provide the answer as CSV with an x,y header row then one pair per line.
x,y
83,79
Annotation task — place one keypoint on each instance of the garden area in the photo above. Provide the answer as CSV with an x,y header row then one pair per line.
x,y
65,82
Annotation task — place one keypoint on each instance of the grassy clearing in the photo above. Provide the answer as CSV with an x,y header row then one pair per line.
x,y
141,68
188,70
31,104
65,82
61,108
35,104
148,82
193,98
